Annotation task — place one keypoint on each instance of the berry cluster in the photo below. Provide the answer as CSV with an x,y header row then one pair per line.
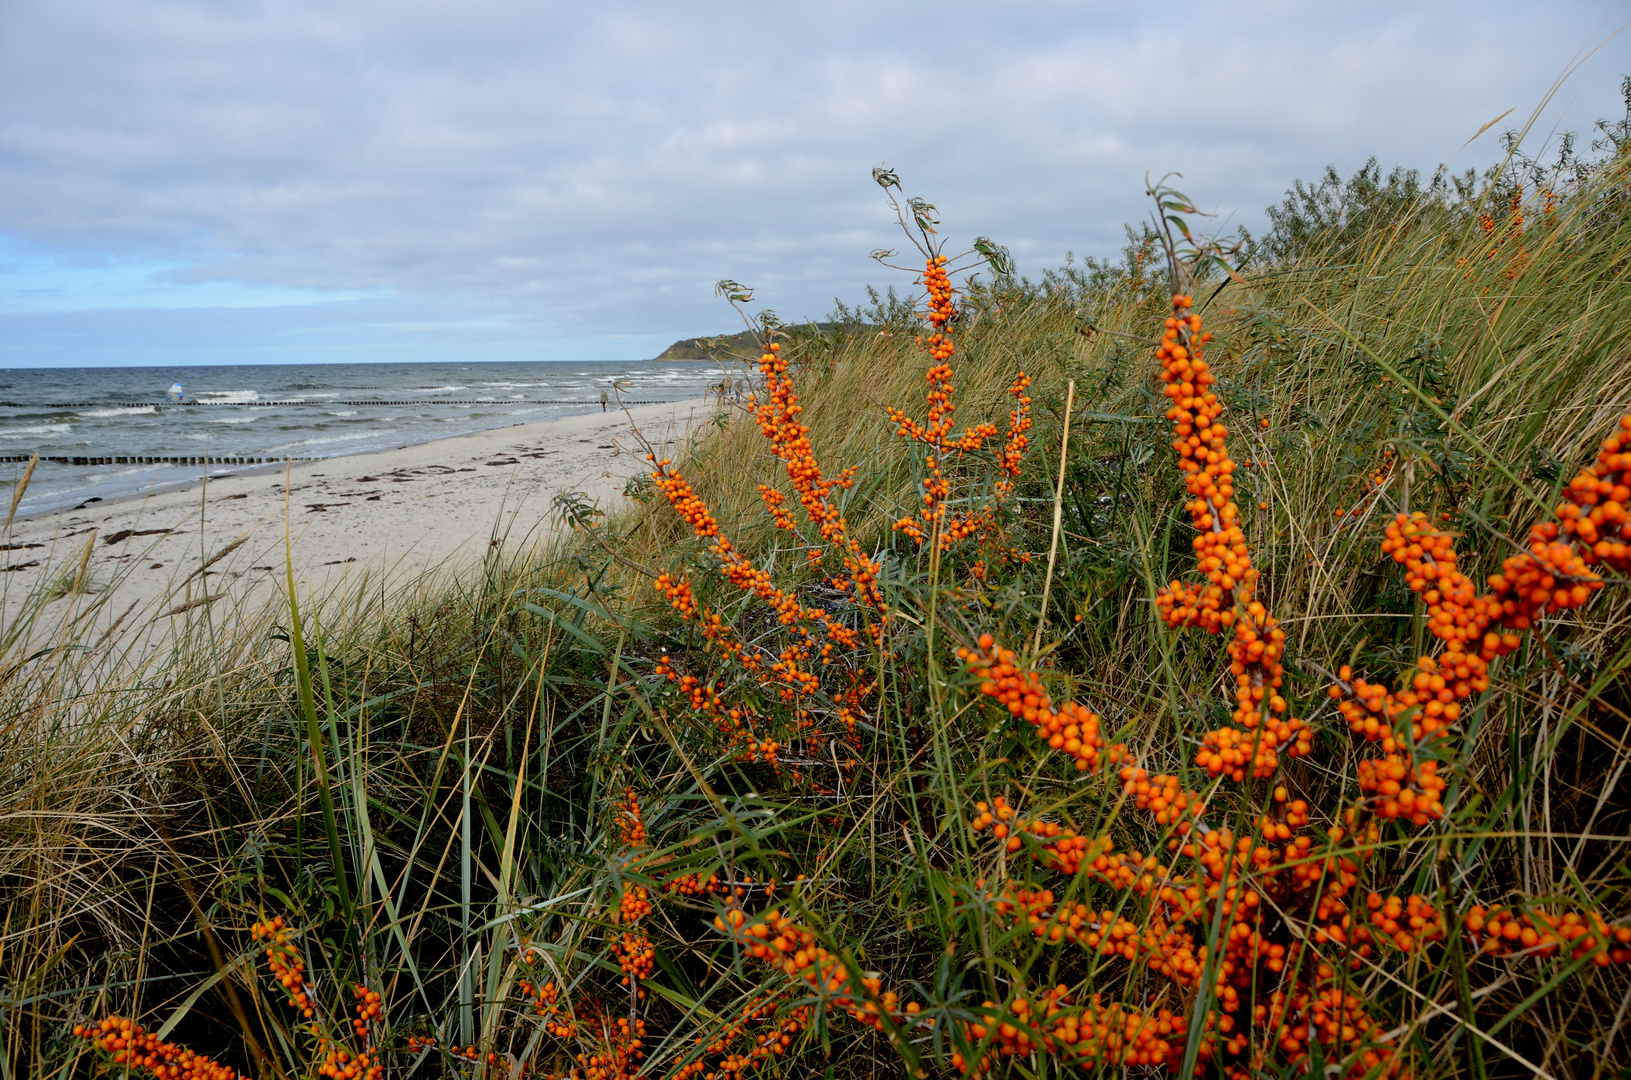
x,y
558,1018
790,441
631,826
636,958
1556,573
129,1046
611,1048
777,940
1408,922
940,436
134,1048
634,906
790,675
1011,462
815,634
1505,932
1260,949
692,885
735,723
758,1020
1095,1035
1069,727
1057,846
617,1055
339,1063
423,1043
1163,796
736,567
716,632
370,1009
285,962
1105,931
1257,650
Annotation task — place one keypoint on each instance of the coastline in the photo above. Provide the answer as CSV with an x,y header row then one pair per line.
x,y
101,433
386,518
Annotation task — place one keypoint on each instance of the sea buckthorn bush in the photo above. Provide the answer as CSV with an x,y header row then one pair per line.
x,y
1249,931
1206,663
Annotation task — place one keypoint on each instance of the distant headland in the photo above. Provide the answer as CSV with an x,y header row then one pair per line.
x,y
739,346
743,345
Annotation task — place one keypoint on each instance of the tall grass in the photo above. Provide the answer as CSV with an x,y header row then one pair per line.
x,y
426,784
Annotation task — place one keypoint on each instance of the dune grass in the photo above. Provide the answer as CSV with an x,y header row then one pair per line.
x,y
429,786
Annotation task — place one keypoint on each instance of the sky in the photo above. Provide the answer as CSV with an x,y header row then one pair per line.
x,y
282,181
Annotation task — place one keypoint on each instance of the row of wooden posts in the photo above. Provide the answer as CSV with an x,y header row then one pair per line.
x,y
151,459
270,404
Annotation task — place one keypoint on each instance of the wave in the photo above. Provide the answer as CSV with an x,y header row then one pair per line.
x,y
327,429
47,430
353,437
100,413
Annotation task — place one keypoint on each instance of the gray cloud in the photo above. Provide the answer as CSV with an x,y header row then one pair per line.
x,y
585,170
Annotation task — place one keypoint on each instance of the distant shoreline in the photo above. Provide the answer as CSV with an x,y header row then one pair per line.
x,y
102,432
393,514
228,472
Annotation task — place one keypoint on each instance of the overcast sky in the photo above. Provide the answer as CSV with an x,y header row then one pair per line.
x,y
283,181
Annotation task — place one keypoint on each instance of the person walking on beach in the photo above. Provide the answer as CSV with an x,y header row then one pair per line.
x,y
603,401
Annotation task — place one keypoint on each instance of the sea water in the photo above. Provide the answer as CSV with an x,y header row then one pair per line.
x,y
283,411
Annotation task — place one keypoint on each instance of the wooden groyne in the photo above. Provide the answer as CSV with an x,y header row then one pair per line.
x,y
300,401
236,460
154,459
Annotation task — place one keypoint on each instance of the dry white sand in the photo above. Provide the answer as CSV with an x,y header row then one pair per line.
x,y
394,515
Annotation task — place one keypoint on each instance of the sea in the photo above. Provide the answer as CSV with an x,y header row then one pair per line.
x,y
226,419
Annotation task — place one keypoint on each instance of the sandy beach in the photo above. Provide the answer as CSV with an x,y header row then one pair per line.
x,y
393,515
